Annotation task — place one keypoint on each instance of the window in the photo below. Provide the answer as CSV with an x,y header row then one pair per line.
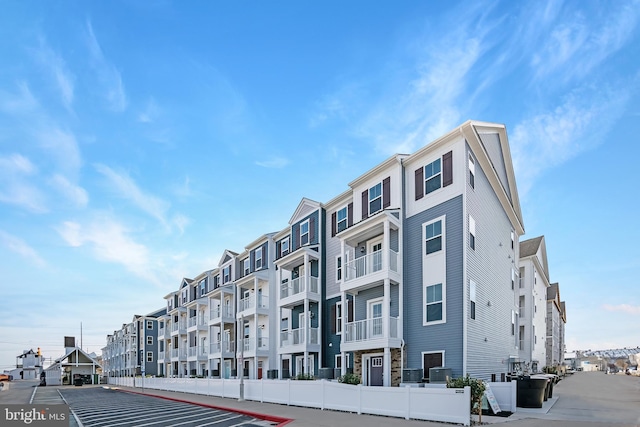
x,y
513,322
472,298
216,281
433,303
431,360
513,239
472,233
341,219
203,287
433,235
338,268
472,172
339,360
149,356
149,340
258,258
149,324
245,266
284,247
375,198
339,318
304,233
226,274
513,279
432,176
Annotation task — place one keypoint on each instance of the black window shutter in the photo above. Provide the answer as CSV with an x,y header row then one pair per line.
x,y
278,249
334,216
312,230
333,319
252,261
349,310
365,204
447,169
419,183
350,214
386,192
295,233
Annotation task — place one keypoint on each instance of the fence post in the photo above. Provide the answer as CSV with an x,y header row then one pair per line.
x,y
322,401
359,398
288,392
408,415
262,390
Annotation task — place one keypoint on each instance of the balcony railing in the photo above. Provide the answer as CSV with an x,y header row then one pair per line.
x,y
199,320
249,344
161,355
370,329
181,325
369,264
198,351
221,311
299,285
222,347
298,336
250,302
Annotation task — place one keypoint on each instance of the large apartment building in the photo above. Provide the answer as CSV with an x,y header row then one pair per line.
x,y
415,265
133,349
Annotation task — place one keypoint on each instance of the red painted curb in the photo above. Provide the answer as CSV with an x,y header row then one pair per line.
x,y
280,420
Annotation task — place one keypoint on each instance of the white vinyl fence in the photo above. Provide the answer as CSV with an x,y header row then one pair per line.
x,y
433,404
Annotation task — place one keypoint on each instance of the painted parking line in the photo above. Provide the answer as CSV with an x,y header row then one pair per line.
x,y
100,407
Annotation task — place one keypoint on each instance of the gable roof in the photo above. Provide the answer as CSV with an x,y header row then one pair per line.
x,y
226,256
536,247
553,291
305,207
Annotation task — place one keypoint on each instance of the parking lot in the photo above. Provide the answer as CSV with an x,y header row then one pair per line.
x,y
97,406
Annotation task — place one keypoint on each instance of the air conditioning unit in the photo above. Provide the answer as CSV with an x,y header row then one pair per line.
x,y
412,375
439,375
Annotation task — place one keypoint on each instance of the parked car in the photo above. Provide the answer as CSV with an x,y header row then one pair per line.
x,y
5,377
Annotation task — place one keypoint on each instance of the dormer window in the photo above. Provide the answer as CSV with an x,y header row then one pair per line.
x,y
304,233
284,246
258,258
341,219
226,274
245,266
375,198
432,176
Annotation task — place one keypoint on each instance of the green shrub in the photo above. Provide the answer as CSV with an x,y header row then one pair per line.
x,y
349,379
305,377
477,391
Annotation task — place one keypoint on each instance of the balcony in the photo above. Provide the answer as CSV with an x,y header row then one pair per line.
x,y
371,333
197,353
179,328
199,322
161,355
299,289
370,270
178,354
221,314
299,340
252,304
222,349
253,347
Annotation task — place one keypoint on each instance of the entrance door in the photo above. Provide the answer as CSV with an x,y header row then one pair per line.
x,y
286,373
260,369
300,365
375,371
227,369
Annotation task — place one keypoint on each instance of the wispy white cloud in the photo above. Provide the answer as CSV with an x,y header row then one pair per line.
x,y
150,112
108,75
19,246
552,137
128,189
16,187
58,69
273,163
62,147
76,194
623,308
21,102
575,43
110,241
152,205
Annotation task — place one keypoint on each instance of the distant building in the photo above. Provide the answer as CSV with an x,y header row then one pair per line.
x,y
28,365
75,365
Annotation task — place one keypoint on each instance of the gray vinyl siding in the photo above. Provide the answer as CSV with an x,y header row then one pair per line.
x,y
333,248
489,339
314,236
360,309
446,336
332,346
491,143
295,315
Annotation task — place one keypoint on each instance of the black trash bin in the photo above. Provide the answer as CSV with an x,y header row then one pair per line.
x,y
78,382
530,392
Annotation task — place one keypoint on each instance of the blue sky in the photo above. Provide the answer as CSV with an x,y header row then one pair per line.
x,y
138,140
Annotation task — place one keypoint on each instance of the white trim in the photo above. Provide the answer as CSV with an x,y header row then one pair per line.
x,y
339,357
339,268
369,200
472,232
434,270
473,299
300,233
256,259
338,319
438,174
